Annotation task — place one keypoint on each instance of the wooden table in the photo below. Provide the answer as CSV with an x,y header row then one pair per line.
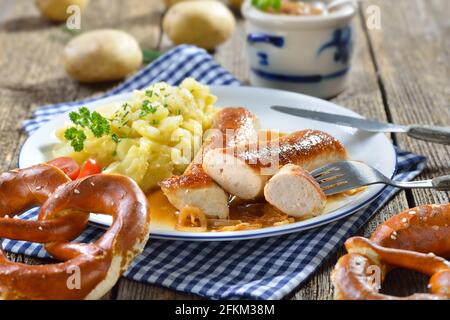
x,y
400,73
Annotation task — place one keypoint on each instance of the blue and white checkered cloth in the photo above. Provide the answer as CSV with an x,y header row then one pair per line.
x,y
268,268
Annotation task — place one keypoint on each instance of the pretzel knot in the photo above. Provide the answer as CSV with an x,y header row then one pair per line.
x,y
88,271
413,239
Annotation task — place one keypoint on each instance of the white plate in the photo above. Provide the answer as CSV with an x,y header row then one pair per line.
x,y
374,149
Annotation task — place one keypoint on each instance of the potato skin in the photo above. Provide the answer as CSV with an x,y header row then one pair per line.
x,y
102,55
55,10
203,23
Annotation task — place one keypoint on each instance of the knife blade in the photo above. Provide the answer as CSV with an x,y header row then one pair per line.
x,y
422,132
347,121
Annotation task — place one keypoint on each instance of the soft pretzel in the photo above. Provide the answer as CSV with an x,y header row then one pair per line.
x,y
97,265
413,239
23,189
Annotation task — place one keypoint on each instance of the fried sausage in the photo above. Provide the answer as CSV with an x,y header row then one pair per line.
x,y
244,171
233,126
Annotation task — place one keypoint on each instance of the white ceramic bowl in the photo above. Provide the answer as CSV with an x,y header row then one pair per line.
x,y
307,54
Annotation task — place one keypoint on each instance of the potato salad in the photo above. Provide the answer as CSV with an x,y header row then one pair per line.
x,y
150,137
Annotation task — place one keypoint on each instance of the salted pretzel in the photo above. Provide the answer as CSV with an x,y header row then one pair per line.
x,y
23,189
414,239
88,270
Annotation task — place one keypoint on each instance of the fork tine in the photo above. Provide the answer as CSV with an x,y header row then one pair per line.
x,y
333,183
329,168
328,177
338,189
346,175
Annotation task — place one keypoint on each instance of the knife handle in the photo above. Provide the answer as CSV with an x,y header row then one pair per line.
x,y
430,133
442,183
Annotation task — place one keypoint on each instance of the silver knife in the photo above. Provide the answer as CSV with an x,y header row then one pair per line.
x,y
422,132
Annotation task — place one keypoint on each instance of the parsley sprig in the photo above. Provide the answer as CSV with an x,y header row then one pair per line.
x,y
95,122
76,138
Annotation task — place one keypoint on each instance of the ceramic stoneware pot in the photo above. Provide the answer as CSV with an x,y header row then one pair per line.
x,y
307,54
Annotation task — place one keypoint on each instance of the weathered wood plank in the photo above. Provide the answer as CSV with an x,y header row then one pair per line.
x,y
132,290
232,54
32,46
4,8
412,53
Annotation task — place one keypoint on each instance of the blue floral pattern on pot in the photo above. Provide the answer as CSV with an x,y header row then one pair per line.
x,y
263,58
277,41
341,40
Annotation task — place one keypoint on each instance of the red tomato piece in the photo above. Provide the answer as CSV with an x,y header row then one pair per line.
x,y
67,165
89,168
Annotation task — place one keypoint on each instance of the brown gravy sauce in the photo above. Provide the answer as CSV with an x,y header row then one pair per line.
x,y
161,210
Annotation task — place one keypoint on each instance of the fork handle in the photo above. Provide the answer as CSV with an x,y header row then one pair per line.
x,y
441,183
430,133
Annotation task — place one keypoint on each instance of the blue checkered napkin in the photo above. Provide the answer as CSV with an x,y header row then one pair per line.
x,y
268,268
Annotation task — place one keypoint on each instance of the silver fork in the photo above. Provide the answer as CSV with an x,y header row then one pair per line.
x,y
347,175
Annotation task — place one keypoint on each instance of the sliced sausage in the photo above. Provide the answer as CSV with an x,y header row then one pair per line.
x,y
244,170
295,192
232,126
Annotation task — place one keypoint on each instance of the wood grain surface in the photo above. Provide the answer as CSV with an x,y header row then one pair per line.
x,y
400,73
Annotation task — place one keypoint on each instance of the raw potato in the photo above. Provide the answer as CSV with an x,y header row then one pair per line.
x,y
102,55
56,10
202,23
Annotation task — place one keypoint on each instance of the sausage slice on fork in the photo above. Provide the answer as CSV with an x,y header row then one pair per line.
x,y
294,191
